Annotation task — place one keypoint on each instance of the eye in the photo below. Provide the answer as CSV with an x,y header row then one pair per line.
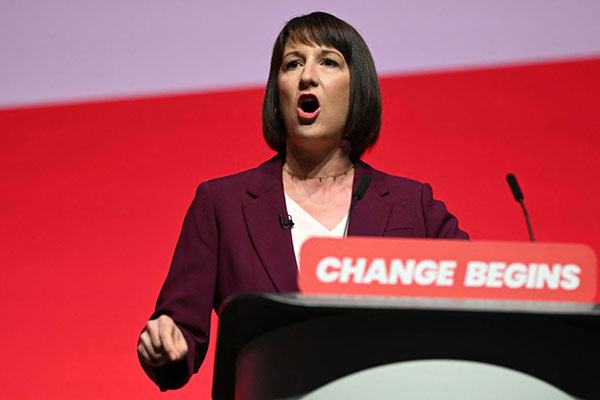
x,y
292,64
328,62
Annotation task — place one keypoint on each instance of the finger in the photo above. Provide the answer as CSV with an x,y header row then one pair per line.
x,y
148,346
143,353
181,343
152,327
149,359
166,338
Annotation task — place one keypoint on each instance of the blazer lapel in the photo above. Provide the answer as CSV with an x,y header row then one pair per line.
x,y
261,211
371,214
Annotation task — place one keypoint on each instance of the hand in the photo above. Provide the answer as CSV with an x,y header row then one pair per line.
x,y
161,342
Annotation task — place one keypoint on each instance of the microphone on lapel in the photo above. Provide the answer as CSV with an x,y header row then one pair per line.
x,y
363,185
287,225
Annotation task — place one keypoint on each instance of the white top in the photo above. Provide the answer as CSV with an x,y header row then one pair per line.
x,y
306,226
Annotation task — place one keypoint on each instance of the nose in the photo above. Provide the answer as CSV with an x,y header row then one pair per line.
x,y
309,76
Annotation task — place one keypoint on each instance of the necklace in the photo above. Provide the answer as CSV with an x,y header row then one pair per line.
x,y
320,178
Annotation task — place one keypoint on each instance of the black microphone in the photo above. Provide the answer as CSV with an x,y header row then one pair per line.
x,y
516,191
360,191
287,225
514,186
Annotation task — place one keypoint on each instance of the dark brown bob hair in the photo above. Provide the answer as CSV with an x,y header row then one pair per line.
x,y
364,114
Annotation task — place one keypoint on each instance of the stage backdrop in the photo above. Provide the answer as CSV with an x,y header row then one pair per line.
x,y
112,114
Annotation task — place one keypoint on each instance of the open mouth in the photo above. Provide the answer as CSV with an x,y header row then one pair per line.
x,y
308,107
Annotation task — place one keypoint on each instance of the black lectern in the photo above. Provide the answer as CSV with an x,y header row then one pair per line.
x,y
283,346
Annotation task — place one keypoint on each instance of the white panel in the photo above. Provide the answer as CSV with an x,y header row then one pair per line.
x,y
65,50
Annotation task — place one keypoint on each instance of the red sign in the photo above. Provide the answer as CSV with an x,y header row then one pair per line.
x,y
449,269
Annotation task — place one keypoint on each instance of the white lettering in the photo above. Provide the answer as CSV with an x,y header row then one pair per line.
x,y
403,270
325,269
377,272
446,273
532,274
355,270
548,278
515,275
570,277
425,273
495,275
475,275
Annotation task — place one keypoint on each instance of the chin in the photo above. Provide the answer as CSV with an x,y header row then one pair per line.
x,y
312,134
315,141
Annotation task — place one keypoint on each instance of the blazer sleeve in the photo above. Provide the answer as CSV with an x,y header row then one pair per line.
x,y
439,223
188,293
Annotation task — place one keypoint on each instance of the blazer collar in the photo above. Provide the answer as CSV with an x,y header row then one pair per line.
x,y
371,213
262,208
273,244
267,177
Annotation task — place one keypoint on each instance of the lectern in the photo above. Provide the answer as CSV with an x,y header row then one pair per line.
x,y
290,346
283,346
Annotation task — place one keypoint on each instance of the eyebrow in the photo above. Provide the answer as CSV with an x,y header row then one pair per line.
x,y
323,51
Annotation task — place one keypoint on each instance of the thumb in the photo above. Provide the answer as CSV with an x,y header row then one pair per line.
x,y
179,343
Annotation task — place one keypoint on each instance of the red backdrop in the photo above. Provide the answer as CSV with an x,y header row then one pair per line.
x,y
93,196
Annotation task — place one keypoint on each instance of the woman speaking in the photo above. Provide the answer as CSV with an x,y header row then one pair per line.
x,y
321,111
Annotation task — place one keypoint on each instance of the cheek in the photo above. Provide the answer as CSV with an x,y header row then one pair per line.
x,y
342,97
286,108
347,92
342,90
284,100
285,94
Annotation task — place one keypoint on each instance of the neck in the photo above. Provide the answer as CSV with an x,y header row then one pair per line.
x,y
311,164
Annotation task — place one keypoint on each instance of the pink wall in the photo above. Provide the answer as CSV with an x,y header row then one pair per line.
x,y
65,50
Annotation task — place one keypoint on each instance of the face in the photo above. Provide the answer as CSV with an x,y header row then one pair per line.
x,y
314,93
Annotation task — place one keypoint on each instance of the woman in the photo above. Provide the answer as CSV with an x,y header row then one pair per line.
x,y
322,110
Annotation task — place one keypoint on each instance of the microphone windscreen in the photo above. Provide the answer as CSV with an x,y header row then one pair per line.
x,y
363,185
514,186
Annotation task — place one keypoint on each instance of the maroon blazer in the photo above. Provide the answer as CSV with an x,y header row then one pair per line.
x,y
232,241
